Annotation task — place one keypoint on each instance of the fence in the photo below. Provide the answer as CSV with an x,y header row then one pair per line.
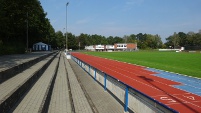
x,y
131,98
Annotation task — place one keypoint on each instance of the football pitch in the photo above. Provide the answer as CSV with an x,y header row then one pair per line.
x,y
183,63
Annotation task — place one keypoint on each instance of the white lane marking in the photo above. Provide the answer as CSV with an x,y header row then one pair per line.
x,y
184,101
169,100
190,97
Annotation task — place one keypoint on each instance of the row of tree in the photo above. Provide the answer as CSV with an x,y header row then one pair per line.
x,y
24,22
190,40
144,41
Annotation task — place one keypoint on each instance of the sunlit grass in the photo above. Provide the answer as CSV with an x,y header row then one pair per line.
x,y
183,63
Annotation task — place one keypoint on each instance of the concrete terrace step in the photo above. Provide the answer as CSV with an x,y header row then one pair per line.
x,y
81,105
14,64
61,87
13,88
60,99
34,101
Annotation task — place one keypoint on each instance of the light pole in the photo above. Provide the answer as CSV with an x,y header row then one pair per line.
x,y
66,27
27,33
63,32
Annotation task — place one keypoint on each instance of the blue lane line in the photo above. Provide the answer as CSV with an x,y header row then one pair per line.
x,y
173,75
189,84
189,89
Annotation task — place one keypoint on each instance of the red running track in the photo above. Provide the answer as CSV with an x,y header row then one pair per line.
x,y
143,80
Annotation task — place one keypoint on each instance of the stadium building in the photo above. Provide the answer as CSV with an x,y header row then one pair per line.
x,y
115,47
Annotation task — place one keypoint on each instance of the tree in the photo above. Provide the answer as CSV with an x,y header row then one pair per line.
x,y
110,40
132,39
15,15
182,41
82,39
173,40
58,41
72,43
159,43
190,38
118,40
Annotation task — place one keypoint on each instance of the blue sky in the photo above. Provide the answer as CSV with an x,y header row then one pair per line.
x,y
124,17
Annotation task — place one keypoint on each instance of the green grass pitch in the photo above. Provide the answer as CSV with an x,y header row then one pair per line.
x,y
182,63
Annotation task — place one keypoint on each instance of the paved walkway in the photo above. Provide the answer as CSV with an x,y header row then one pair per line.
x,y
60,100
79,99
102,100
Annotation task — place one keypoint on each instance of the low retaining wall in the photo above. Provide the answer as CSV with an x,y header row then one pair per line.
x,y
131,98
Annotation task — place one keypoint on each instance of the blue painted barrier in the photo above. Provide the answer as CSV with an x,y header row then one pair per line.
x,y
126,99
105,81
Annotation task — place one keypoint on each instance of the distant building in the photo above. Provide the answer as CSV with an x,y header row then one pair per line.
x,y
115,47
99,47
89,48
125,46
41,47
109,47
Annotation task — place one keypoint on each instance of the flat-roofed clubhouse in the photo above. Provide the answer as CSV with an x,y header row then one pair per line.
x,y
115,47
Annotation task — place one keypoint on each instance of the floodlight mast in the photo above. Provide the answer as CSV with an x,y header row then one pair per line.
x,y
27,43
66,27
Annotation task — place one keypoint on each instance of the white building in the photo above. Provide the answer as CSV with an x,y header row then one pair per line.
x,y
89,48
99,47
121,46
115,47
109,47
41,47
